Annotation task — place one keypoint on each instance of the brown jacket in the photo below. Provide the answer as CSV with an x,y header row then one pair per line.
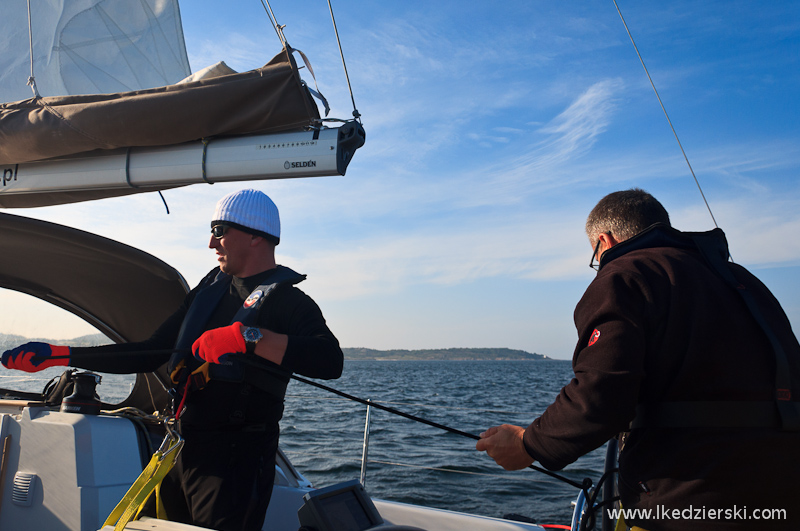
x,y
658,325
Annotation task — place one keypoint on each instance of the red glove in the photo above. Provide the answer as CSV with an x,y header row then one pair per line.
x,y
35,357
215,344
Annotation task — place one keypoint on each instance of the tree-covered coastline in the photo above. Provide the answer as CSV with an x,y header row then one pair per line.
x,y
8,341
444,354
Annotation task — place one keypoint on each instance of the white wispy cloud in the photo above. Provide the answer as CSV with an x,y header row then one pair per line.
x,y
354,269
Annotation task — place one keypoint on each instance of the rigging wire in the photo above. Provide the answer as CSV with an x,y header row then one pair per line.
x,y
665,113
274,21
356,114
279,30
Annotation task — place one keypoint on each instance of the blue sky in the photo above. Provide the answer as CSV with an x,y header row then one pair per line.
x,y
492,130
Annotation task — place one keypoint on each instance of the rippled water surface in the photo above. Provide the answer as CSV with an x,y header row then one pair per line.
x,y
323,434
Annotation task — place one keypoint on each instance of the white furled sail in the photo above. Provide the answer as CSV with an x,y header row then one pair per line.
x,y
90,47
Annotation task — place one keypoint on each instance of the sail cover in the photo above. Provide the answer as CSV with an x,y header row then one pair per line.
x,y
265,100
90,46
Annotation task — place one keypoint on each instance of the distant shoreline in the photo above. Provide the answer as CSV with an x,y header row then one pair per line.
x,y
453,360
8,341
448,354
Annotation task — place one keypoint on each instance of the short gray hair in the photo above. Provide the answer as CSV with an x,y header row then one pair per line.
x,y
624,214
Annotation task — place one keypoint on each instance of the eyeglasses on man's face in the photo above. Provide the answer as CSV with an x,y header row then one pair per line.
x,y
595,265
218,231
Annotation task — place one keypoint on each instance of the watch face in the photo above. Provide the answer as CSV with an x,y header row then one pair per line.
x,y
252,334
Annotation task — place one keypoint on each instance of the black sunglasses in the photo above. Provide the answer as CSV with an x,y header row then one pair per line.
x,y
592,264
218,231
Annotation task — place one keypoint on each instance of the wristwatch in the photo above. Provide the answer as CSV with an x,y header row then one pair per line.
x,y
252,336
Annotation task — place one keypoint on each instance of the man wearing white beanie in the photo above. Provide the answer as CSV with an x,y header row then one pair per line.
x,y
245,309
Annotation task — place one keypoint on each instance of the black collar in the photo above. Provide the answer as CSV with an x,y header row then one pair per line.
x,y
661,235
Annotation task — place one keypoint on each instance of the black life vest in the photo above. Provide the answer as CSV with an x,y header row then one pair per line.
x,y
200,311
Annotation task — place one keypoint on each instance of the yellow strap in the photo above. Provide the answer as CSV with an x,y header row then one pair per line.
x,y
621,521
161,512
150,479
200,376
621,526
176,372
129,497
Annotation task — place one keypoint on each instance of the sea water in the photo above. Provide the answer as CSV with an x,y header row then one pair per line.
x,y
419,464
322,433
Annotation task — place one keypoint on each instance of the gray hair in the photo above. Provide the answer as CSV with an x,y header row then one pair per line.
x,y
624,214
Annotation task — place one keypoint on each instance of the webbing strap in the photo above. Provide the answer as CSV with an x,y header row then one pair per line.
x,y
789,416
317,94
148,481
709,414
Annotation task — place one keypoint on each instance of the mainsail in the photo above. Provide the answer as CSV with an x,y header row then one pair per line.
x,y
90,47
78,146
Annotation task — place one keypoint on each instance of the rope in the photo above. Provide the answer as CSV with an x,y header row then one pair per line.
x,y
131,185
128,169
164,200
31,79
205,142
408,465
585,485
665,114
415,404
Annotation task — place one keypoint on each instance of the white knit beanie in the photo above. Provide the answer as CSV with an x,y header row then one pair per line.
x,y
249,210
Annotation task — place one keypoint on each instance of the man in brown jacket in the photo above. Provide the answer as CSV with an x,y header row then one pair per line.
x,y
693,360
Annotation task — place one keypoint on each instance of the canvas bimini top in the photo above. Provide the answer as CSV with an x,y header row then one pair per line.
x,y
80,272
